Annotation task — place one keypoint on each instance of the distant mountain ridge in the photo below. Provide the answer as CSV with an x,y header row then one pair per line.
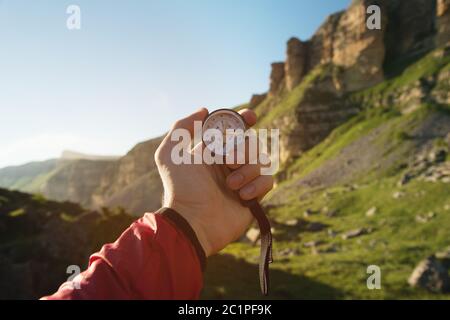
x,y
74,155
131,181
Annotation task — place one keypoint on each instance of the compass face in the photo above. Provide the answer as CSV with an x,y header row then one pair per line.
x,y
215,129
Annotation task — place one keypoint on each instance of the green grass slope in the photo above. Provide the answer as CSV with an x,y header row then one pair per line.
x,y
357,167
29,177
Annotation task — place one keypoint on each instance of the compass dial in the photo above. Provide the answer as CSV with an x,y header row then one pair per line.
x,y
215,129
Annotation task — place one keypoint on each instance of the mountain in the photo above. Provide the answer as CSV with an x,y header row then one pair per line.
x,y
28,177
131,181
74,155
364,117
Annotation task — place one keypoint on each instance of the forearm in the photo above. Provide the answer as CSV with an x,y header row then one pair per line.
x,y
155,258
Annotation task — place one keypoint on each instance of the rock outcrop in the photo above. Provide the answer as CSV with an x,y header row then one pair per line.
x,y
320,110
256,99
322,42
276,78
358,50
443,22
296,62
345,41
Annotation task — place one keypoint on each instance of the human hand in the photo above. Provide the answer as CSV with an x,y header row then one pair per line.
x,y
208,196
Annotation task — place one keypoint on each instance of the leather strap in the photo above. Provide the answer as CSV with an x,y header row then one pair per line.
x,y
266,243
266,238
184,226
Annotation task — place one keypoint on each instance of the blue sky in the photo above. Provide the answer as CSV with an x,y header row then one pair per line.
x,y
134,67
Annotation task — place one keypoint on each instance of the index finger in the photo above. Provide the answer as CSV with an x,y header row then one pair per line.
x,y
249,116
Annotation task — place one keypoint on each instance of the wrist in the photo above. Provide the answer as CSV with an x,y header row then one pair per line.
x,y
191,217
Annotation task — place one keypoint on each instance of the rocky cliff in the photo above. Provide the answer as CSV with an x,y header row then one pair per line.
x,y
344,56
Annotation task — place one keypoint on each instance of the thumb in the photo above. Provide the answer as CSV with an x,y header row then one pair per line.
x,y
187,123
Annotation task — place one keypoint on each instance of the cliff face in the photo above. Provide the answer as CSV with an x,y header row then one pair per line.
x,y
276,78
344,40
133,182
75,180
296,62
342,57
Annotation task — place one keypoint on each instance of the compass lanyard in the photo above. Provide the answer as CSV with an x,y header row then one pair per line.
x,y
266,243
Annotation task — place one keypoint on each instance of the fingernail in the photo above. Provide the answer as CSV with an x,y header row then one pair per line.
x,y
248,191
235,180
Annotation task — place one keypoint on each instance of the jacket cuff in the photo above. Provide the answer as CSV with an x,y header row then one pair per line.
x,y
184,226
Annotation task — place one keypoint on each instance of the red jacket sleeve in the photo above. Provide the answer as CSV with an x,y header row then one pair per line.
x,y
157,257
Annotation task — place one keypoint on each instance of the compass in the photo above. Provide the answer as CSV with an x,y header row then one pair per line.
x,y
215,135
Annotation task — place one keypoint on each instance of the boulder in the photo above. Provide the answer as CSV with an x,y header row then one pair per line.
x,y
397,195
371,212
444,257
293,222
315,226
288,252
252,235
355,233
308,212
437,155
425,217
331,233
431,275
311,244
331,213
407,177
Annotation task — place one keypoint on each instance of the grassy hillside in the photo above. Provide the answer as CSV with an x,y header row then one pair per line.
x,y
29,177
385,158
